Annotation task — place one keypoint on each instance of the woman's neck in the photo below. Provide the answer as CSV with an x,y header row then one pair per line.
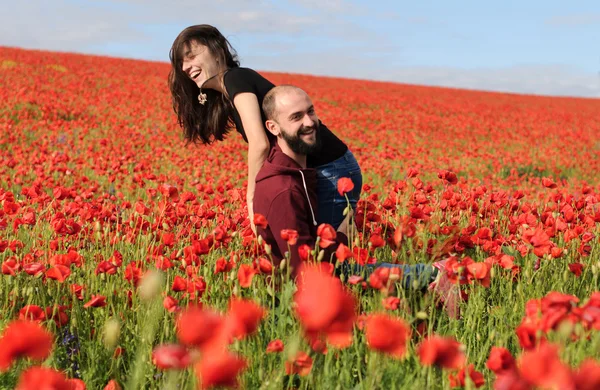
x,y
216,83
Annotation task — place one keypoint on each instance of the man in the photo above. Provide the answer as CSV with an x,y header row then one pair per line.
x,y
285,188
285,192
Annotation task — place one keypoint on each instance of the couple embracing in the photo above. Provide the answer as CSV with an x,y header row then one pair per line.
x,y
294,160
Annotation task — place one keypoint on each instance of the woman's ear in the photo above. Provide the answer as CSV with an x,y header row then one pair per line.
x,y
273,127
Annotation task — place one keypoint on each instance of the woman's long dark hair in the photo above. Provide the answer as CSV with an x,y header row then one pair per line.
x,y
213,120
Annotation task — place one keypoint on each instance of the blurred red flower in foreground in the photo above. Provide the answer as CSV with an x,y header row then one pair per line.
x,y
37,378
387,334
332,317
24,339
459,379
221,369
443,352
301,364
169,356
200,328
243,317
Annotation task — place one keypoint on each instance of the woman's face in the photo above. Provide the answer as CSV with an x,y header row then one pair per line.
x,y
199,63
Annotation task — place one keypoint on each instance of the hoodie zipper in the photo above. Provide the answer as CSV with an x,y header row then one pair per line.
x,y
308,198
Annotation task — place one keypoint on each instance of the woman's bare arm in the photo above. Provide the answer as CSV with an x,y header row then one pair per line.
x,y
258,144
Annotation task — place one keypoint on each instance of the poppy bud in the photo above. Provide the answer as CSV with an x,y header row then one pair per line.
x,y
321,255
421,315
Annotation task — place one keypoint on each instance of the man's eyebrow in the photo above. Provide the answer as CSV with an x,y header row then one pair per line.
x,y
292,115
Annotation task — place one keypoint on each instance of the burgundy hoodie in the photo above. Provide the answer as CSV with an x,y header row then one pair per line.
x,y
285,194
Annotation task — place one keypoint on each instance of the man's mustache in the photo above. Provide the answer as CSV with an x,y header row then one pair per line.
x,y
306,129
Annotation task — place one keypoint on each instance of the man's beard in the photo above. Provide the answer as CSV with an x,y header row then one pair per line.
x,y
298,145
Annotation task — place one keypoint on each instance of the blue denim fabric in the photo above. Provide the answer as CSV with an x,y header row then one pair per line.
x,y
331,204
422,274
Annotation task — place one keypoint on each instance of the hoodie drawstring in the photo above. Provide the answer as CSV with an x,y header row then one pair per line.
x,y
308,198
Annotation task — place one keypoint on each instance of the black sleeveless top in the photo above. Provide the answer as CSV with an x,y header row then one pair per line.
x,y
239,80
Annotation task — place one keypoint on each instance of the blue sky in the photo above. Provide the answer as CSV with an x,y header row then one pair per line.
x,y
542,47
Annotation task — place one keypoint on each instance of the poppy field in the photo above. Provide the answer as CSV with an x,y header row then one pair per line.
x,y
128,260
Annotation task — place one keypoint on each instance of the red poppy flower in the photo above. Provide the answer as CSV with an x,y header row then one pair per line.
x,y
304,252
576,269
179,284
245,274
344,185
34,269
58,314
289,235
243,317
222,265
96,301
548,183
43,378
391,303
265,266
459,379
106,267
587,376
333,317
542,368
171,356
326,234
260,221
220,370
388,335
343,252
10,266
383,277
170,304
376,241
77,290
275,346
32,313
443,352
23,339
58,272
500,360
201,328
112,385
301,364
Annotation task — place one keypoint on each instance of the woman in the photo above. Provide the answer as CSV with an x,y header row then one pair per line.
x,y
211,93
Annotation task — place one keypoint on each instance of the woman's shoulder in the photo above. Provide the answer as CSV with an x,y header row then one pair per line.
x,y
241,73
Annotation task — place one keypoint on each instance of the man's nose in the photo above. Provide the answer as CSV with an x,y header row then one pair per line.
x,y
308,121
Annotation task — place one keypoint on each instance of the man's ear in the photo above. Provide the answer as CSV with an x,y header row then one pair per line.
x,y
273,127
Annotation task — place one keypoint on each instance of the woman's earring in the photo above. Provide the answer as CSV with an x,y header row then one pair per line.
x,y
202,98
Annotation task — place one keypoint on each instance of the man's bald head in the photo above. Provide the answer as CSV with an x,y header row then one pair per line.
x,y
291,117
270,101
